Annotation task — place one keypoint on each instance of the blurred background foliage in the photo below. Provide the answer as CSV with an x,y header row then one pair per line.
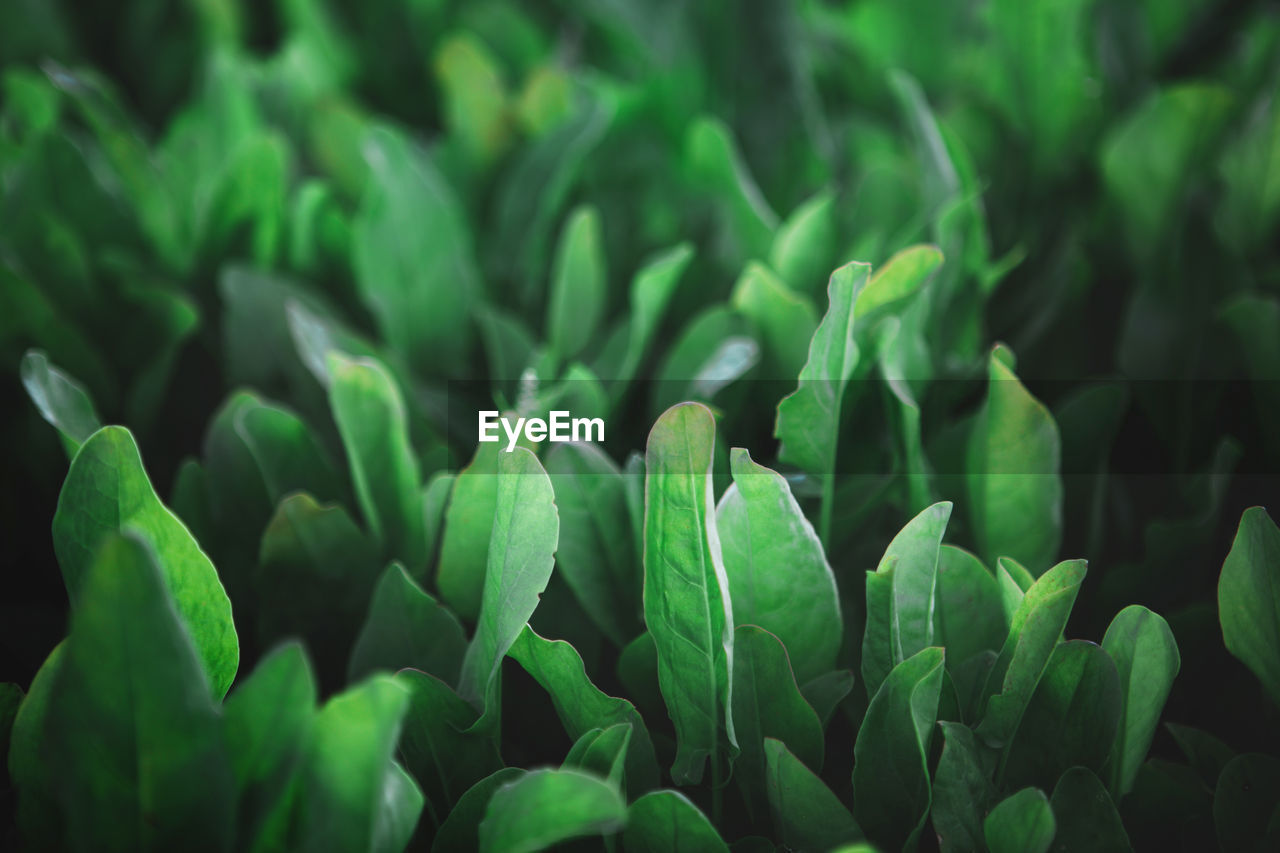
x,y
197,199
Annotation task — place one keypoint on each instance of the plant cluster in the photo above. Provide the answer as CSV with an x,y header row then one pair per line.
x,y
821,586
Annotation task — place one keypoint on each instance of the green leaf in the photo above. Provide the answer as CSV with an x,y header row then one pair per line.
x,y
825,693
1034,633
768,704
806,814
1086,817
33,776
650,293
809,417
784,320
579,285
1244,804
581,706
419,290
901,596
602,752
60,399
351,788
1206,754
107,491
475,108
133,732
1071,720
686,592
968,616
1012,473
901,276
804,246
461,829
667,822
1022,823
268,719
468,526
545,807
435,745
779,578
717,167
370,414
597,555
522,549
1145,653
1014,580
406,627
962,789
1249,598
890,769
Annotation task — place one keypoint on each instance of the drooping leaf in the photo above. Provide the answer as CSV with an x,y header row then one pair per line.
x,y
667,822
806,814
1249,598
60,399
779,578
406,627
1013,479
768,704
1145,653
890,771
901,596
581,706
370,414
133,732
522,548
686,592
545,807
1021,823
107,491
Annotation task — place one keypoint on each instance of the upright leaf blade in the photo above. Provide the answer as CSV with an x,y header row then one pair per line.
x,y
545,807
406,627
1145,653
1249,598
667,822
107,491
578,284
686,592
806,814
1022,823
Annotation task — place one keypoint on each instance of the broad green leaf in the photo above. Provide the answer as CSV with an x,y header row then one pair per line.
x,y
807,816
107,491
1022,823
475,109
1244,804
686,592
890,770
783,319
602,752
461,829
522,549
779,578
1249,598
825,693
435,745
1086,818
597,554
962,789
900,277
579,285
768,704
268,719
468,526
1034,632
406,627
132,732
1012,473
60,399
803,249
370,415
1071,719
638,672
351,790
667,822
1014,580
809,417
1145,653
412,253
968,616
581,706
717,166
651,291
901,595
545,807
